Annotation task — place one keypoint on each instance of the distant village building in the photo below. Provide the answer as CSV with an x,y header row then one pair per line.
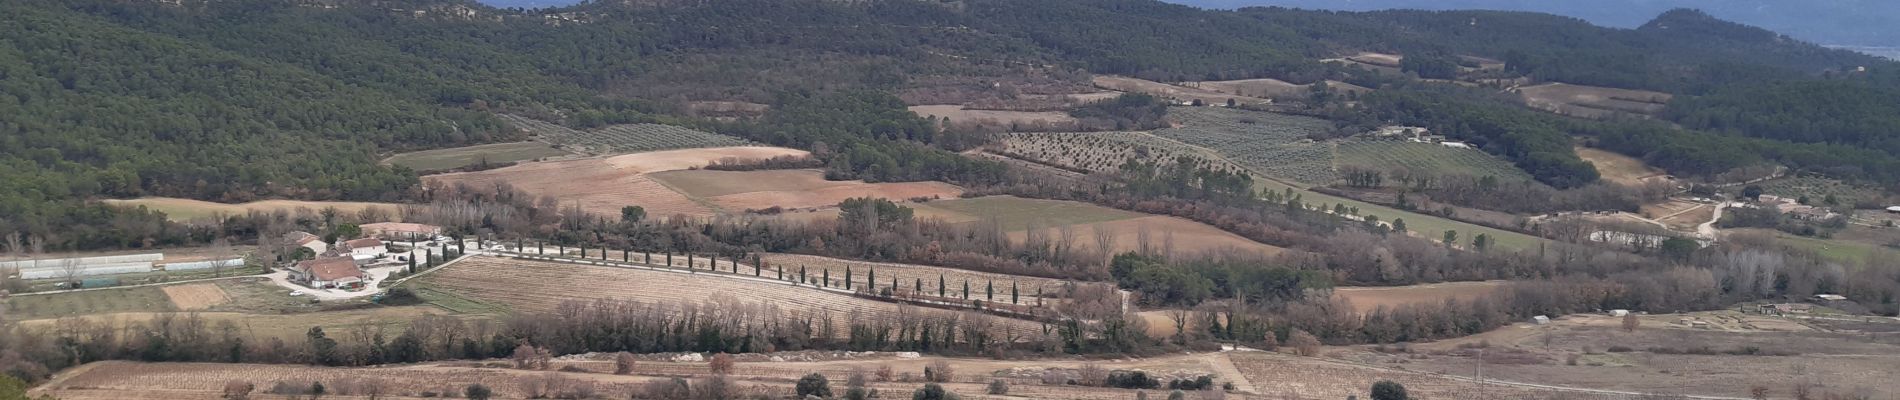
x,y
401,231
328,272
1455,145
1830,297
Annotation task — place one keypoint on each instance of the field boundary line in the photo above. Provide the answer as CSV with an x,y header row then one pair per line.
x,y
1481,382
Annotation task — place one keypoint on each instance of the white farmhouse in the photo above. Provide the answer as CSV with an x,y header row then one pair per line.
x,y
308,241
1456,145
366,247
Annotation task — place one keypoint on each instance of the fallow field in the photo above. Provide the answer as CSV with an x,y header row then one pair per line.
x,y
1129,231
1269,88
604,185
1368,298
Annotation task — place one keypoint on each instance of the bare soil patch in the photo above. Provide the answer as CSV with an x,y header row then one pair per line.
x,y
286,326
1366,299
604,185
196,296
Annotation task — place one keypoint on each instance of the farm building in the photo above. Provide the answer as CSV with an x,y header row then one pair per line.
x,y
1455,145
83,266
366,247
1830,297
328,272
1540,320
1786,308
401,231
1894,209
1619,312
308,241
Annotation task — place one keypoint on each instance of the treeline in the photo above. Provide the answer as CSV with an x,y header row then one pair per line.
x,y
1844,112
863,135
1132,111
1514,196
1192,281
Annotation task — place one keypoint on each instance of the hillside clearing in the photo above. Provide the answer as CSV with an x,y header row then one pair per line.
x,y
1016,213
1618,168
1592,101
177,209
605,185
1172,92
1269,88
458,157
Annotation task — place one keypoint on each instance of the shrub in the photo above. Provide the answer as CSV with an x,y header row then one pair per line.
x,y
238,390
674,389
814,384
939,371
573,368
1131,380
1177,395
1303,344
999,388
477,392
1388,390
721,363
885,373
932,391
1619,349
623,363
1092,374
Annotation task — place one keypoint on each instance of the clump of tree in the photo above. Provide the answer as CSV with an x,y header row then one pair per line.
x,y
1129,111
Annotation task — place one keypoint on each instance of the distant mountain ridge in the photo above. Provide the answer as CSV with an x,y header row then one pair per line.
x,y
1833,22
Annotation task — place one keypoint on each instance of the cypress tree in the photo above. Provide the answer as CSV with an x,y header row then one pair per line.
x,y
919,290
989,290
847,278
412,262
801,274
1012,292
827,282
940,287
966,289
870,280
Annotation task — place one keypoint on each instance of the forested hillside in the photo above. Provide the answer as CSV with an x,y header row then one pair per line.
x,y
233,101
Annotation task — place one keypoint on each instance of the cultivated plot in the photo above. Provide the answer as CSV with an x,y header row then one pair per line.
x,y
735,191
627,138
177,209
1387,155
605,185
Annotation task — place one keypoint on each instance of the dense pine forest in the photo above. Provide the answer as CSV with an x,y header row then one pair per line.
x,y
235,101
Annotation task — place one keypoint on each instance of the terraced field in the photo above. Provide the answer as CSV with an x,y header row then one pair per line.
x,y
1270,143
1385,155
537,286
627,138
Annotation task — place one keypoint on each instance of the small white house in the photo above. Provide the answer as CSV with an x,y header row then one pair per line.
x,y
367,247
1894,209
1830,297
1540,320
1455,145
1619,312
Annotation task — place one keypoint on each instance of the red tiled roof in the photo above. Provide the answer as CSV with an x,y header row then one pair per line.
x,y
300,238
361,243
330,269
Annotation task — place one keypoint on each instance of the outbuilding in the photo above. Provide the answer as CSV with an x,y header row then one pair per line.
x,y
1894,209
1540,320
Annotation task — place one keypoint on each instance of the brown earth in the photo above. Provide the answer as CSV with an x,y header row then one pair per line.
x,y
1620,168
1187,237
197,296
1366,299
177,209
957,114
604,185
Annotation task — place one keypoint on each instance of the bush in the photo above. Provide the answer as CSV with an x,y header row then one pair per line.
x,y
814,384
1131,380
674,389
573,368
721,363
932,391
999,388
238,390
939,371
1619,349
1177,395
1388,390
477,392
623,363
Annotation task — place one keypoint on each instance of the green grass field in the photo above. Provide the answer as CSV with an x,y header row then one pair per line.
x,y
1837,250
139,299
1384,155
441,159
1422,225
1016,213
